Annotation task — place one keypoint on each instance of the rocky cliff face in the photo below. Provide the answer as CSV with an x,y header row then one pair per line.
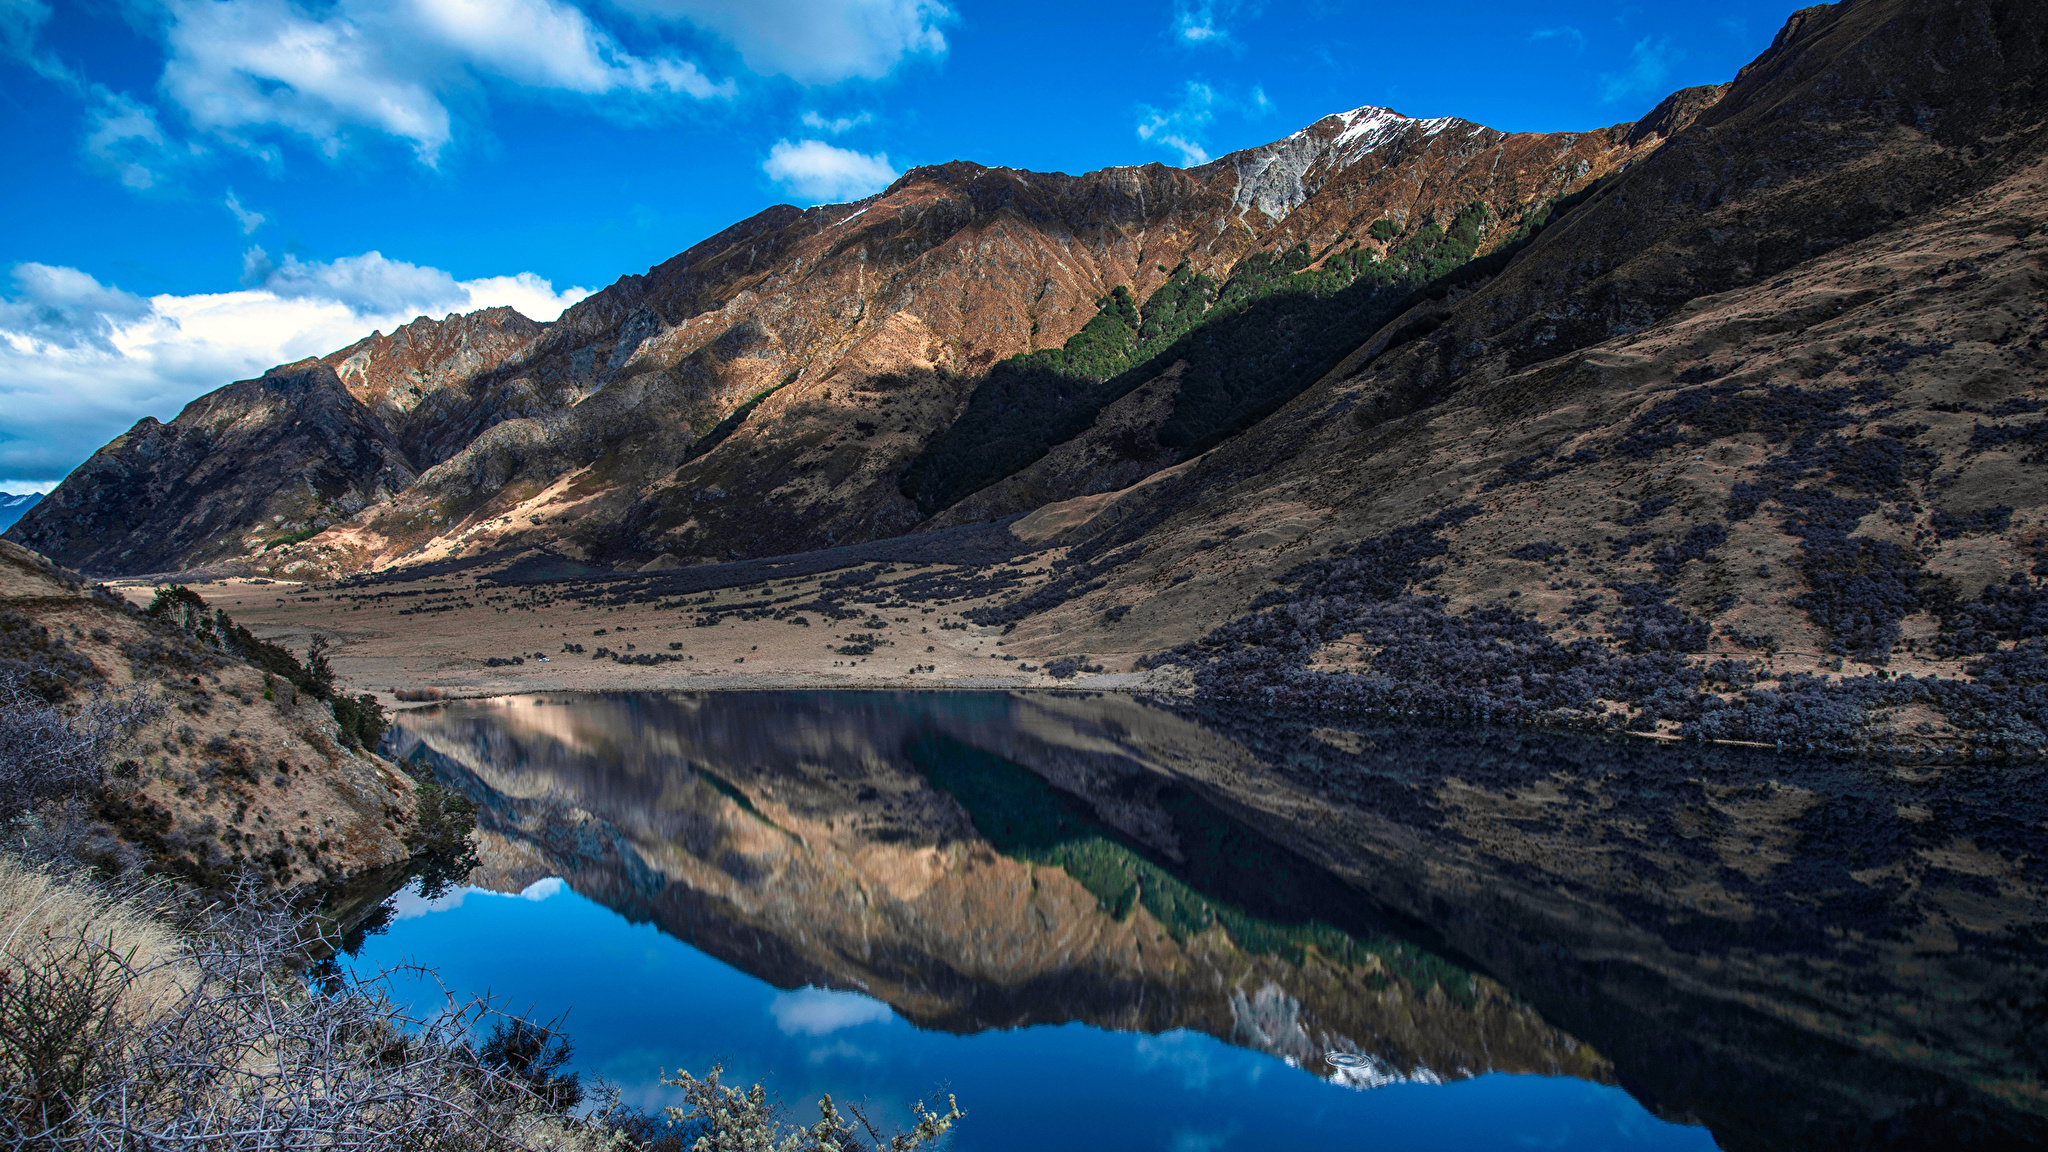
x,y
395,374
764,391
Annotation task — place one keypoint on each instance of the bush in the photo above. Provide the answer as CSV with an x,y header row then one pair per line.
x,y
46,666
1066,667
48,754
443,855
137,1019
178,609
742,1120
362,721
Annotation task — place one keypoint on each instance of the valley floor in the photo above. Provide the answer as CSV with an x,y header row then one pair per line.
x,y
460,636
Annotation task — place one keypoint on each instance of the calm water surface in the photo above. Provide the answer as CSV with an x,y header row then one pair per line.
x,y
1103,924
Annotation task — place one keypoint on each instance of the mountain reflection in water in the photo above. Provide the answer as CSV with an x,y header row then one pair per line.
x,y
1793,953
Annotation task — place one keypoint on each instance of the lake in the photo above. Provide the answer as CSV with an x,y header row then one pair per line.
x,y
1107,923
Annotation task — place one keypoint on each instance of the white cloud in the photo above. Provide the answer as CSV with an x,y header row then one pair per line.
x,y
821,1011
841,1050
1648,72
237,67
1180,128
1189,1054
80,361
553,45
250,221
1565,34
1196,24
818,172
369,284
837,125
21,22
408,904
124,139
814,41
65,308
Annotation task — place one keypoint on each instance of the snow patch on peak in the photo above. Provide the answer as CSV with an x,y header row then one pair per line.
x,y
1276,178
1370,121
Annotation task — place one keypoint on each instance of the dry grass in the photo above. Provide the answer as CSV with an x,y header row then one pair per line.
x,y
44,920
136,1021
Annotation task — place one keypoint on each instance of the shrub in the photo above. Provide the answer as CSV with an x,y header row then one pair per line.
x,y
362,721
1948,525
1066,667
43,665
443,854
742,1120
48,753
135,1020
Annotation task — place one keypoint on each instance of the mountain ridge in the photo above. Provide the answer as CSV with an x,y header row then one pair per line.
x,y
724,321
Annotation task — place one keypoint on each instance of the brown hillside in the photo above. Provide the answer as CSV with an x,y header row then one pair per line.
x,y
870,322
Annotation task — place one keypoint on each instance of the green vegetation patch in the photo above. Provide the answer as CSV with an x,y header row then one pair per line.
x,y
731,423
1250,344
291,538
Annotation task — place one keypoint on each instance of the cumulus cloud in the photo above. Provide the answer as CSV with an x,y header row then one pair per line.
x,y
80,361
1180,128
409,904
368,284
822,174
821,1011
1648,72
814,41
237,67
65,308
1189,1054
838,124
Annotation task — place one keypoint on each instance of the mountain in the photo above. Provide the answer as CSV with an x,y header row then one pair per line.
x,y
1725,424
263,462
1770,396
13,506
766,390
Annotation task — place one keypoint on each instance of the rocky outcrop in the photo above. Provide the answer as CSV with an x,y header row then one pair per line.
x,y
392,375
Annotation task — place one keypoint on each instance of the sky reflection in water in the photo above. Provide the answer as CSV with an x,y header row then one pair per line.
x,y
640,1001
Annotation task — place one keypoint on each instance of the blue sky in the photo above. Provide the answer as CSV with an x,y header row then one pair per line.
x,y
197,189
